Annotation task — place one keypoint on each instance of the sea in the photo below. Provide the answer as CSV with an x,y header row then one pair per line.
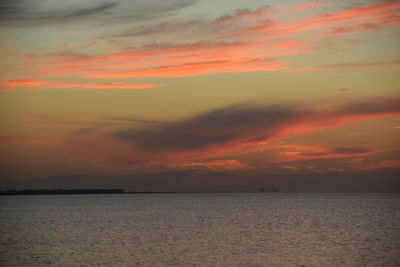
x,y
249,230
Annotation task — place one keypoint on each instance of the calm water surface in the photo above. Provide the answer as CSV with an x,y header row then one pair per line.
x,y
200,230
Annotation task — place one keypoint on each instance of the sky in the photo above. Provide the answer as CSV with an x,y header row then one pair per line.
x,y
200,95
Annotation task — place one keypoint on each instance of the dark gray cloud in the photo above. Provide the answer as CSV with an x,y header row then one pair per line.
x,y
216,127
8,7
40,12
243,123
90,10
349,150
160,28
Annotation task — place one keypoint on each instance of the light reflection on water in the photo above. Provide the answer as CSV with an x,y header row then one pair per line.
x,y
201,230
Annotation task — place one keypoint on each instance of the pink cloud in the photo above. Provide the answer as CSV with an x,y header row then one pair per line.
x,y
167,60
372,17
270,39
191,69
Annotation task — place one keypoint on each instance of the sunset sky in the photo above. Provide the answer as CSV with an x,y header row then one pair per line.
x,y
200,95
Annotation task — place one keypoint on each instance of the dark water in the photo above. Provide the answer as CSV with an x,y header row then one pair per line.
x,y
201,230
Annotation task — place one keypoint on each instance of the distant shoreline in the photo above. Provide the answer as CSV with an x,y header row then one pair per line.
x,y
60,191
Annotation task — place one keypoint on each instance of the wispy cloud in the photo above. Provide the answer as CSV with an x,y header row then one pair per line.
x,y
367,17
244,14
42,12
221,45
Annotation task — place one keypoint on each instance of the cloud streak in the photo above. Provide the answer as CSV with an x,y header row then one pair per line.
x,y
167,60
15,85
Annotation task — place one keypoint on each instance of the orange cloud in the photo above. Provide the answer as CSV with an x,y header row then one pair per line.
x,y
291,153
24,83
46,85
